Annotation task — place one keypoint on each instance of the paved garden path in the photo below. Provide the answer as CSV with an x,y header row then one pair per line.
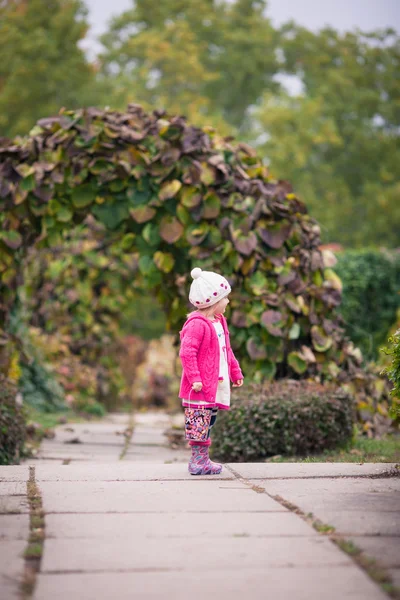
x,y
124,520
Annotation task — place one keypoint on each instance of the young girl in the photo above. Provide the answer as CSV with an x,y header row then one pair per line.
x,y
208,365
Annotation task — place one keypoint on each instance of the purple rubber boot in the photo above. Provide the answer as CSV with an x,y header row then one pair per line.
x,y
200,463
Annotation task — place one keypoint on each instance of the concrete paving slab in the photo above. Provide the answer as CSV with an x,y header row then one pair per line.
x,y
148,438
86,459
14,473
395,575
9,588
364,523
118,418
152,419
157,496
12,488
14,527
333,583
12,561
189,553
53,447
353,506
336,495
156,454
386,549
34,462
121,471
101,428
91,439
169,525
91,454
161,452
13,505
305,470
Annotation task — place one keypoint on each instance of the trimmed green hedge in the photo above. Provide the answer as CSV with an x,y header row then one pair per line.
x,y
12,424
287,417
371,296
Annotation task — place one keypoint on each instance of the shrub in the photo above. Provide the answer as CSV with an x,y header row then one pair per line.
x,y
39,387
287,417
371,286
12,424
393,372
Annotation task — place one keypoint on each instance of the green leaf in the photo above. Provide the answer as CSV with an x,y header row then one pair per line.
x,y
169,189
28,183
12,239
196,234
142,214
127,241
320,340
207,174
101,166
151,234
212,206
275,235
272,321
171,229
83,195
294,331
255,349
111,215
64,214
245,244
25,170
190,196
268,369
298,364
164,261
138,197
258,283
333,280
183,214
146,265
117,185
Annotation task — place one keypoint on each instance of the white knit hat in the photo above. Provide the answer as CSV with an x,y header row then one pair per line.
x,y
207,288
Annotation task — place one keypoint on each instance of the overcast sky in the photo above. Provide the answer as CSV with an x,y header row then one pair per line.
x,y
314,14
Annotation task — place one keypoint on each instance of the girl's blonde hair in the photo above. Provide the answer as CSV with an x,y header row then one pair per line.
x,y
209,310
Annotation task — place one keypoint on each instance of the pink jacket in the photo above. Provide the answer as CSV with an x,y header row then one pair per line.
x,y
199,354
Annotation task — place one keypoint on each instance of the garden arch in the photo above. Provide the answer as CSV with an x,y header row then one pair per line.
x,y
179,196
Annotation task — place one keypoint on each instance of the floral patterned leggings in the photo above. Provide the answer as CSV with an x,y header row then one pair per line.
x,y
195,421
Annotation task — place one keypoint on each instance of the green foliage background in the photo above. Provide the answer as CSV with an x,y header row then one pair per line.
x,y
167,196
371,296
336,140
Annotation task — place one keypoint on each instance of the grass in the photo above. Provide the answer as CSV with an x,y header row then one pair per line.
x,y
359,450
50,420
34,550
47,421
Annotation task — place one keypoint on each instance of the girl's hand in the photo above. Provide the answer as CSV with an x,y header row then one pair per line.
x,y
239,383
197,386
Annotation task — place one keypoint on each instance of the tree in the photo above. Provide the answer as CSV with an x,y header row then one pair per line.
x,y
42,68
338,140
195,58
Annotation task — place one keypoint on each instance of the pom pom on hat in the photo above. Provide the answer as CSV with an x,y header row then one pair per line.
x,y
207,288
196,272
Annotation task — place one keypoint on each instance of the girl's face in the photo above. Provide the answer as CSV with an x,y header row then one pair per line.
x,y
221,306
